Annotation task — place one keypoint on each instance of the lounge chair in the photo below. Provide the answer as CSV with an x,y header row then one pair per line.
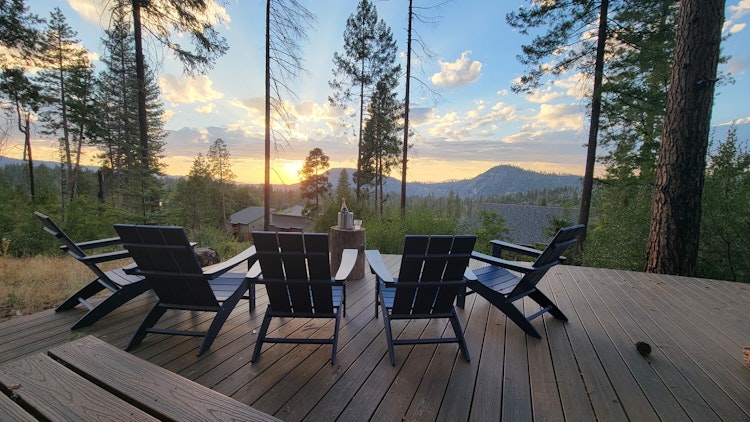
x,y
165,257
502,287
295,268
123,286
432,273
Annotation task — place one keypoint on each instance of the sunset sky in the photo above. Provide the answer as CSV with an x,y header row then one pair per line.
x,y
477,122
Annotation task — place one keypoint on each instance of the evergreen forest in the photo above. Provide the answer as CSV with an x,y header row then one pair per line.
x,y
117,108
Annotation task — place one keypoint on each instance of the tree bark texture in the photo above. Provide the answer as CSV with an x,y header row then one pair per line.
x,y
140,70
596,109
267,142
676,210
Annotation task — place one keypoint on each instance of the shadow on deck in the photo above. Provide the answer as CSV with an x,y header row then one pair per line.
x,y
586,369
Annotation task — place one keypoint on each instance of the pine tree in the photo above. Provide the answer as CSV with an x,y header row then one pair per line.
x,y
164,19
135,185
369,56
674,236
18,34
62,58
381,142
24,96
221,172
314,186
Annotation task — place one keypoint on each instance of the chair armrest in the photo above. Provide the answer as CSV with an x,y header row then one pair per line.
x,y
254,271
348,261
215,270
522,267
499,245
378,266
104,257
100,243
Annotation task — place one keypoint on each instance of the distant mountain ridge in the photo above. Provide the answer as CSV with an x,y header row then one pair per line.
x,y
498,180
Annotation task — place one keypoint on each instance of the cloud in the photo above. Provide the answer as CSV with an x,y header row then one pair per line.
x,y
739,10
168,115
739,121
577,85
209,108
421,115
254,107
91,10
180,90
544,96
737,28
463,71
97,11
738,64
556,117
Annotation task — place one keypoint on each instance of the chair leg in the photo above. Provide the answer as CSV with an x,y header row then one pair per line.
x,y
156,312
545,302
461,299
80,296
114,301
459,332
261,336
377,298
388,332
335,344
221,316
251,296
519,318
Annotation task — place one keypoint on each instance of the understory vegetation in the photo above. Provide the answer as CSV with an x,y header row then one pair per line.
x,y
36,275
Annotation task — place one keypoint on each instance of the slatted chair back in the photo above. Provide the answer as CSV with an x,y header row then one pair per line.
x,y
296,271
431,274
67,243
165,256
122,285
550,256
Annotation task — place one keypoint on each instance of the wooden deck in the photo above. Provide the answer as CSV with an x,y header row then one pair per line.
x,y
583,370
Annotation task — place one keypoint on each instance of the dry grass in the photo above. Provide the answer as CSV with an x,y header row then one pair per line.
x,y
29,285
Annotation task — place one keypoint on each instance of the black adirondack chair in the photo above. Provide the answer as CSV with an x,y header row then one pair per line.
x,y
123,286
432,273
502,287
296,270
165,257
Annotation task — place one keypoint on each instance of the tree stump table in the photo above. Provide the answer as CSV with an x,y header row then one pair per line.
x,y
341,239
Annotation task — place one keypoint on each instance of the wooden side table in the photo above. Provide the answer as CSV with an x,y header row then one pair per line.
x,y
341,239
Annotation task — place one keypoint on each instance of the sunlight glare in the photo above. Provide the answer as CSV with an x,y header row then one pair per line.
x,y
286,171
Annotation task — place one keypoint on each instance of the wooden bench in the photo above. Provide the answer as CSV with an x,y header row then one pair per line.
x,y
88,379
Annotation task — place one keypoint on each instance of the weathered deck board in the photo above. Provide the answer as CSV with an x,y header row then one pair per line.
x,y
585,369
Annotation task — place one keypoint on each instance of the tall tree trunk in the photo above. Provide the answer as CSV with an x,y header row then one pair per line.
x,y
406,112
267,170
77,166
27,147
596,107
140,70
358,183
676,210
